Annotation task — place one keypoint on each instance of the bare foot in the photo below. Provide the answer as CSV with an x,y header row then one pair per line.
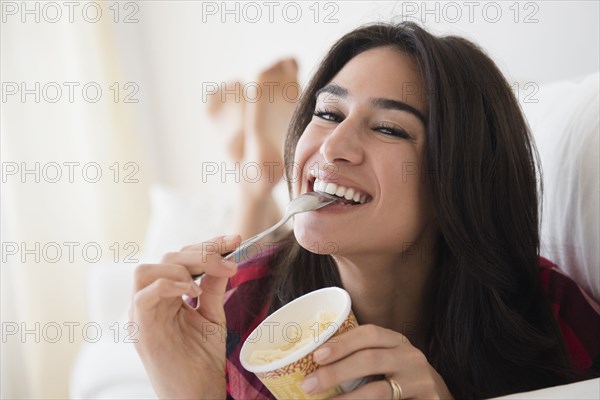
x,y
226,109
270,103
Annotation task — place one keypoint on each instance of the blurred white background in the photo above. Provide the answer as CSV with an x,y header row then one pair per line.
x,y
152,61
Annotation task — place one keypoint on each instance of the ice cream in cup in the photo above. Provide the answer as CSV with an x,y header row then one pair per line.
x,y
279,351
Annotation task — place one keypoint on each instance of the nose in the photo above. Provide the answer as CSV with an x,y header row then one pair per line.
x,y
343,144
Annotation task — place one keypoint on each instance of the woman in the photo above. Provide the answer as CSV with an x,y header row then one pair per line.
x,y
440,256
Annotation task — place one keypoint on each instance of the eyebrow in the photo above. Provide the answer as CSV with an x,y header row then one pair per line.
x,y
378,102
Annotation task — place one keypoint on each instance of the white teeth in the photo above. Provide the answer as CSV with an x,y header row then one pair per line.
x,y
349,194
340,191
331,188
320,186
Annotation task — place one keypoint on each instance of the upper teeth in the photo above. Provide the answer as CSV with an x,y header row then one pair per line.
x,y
340,191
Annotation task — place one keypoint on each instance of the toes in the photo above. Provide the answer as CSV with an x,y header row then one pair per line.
x,y
231,92
291,65
214,104
283,71
235,147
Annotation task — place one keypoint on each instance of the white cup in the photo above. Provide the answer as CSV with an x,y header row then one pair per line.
x,y
282,329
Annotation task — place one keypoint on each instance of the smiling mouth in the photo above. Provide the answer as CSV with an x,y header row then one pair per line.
x,y
348,196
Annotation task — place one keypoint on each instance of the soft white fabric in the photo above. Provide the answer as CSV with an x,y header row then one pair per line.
x,y
565,125
109,370
179,218
589,389
109,289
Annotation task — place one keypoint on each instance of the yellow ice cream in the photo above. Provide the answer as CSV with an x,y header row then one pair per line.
x,y
309,332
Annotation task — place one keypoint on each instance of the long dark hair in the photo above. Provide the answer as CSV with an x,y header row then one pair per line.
x,y
493,331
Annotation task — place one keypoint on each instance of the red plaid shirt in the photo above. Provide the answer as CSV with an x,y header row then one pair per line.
x,y
578,316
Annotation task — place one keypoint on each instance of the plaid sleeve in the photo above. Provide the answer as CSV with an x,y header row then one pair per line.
x,y
246,306
578,316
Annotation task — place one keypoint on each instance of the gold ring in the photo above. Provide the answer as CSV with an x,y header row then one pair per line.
x,y
396,389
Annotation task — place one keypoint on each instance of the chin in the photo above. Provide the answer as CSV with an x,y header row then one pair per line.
x,y
315,243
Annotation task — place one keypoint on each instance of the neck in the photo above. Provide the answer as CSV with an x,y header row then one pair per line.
x,y
394,291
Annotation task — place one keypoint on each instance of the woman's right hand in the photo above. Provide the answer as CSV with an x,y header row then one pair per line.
x,y
183,349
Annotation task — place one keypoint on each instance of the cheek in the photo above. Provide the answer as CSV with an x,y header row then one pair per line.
x,y
305,148
406,198
306,145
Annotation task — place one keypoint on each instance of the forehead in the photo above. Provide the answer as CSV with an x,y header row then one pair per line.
x,y
384,72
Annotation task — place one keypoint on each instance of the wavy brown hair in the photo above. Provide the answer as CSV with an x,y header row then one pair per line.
x,y
493,330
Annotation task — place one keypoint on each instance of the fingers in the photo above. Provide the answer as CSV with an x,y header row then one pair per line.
x,y
373,390
205,257
214,283
145,274
363,351
359,364
361,337
161,289
154,283
218,271
201,261
179,266
219,244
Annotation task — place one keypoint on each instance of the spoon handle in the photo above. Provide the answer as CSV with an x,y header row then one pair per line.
x,y
307,202
237,253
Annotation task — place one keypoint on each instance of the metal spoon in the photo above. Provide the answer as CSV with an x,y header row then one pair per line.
x,y
307,202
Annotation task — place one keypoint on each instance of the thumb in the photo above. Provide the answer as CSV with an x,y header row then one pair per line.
x,y
213,287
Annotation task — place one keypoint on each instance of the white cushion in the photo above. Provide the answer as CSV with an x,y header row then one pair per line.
x,y
180,218
565,125
589,389
109,369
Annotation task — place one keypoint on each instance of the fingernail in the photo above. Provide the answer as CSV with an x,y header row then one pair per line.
x,y
309,384
229,264
321,354
190,288
182,285
230,238
195,289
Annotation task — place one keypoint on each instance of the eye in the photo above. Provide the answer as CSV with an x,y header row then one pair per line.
x,y
391,130
328,115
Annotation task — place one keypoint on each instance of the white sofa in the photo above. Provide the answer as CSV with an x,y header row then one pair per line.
x,y
565,124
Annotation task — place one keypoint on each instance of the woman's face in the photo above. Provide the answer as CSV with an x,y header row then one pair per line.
x,y
367,137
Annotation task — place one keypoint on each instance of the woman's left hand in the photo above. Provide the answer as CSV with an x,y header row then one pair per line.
x,y
372,350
